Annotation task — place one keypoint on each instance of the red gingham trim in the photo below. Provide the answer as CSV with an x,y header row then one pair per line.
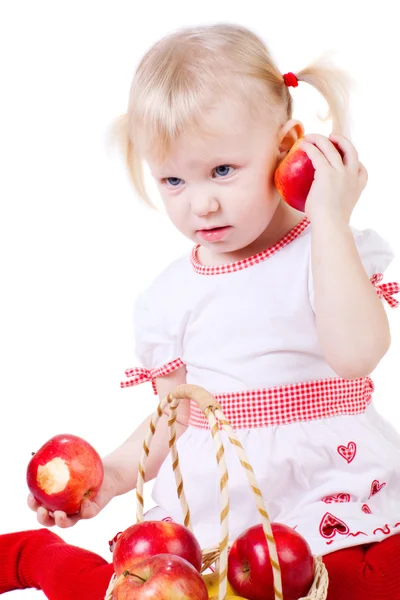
x,y
247,262
141,375
285,404
386,290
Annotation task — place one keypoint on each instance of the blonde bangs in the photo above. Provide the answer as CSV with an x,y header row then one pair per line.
x,y
165,115
184,74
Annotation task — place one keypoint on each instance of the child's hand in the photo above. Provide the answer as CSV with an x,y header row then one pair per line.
x,y
89,508
338,182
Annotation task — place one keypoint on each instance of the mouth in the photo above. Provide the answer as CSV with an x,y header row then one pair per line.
x,y
213,234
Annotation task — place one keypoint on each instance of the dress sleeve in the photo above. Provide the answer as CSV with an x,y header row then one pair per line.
x,y
157,343
376,255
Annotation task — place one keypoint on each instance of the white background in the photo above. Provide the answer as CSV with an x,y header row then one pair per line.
x,y
77,245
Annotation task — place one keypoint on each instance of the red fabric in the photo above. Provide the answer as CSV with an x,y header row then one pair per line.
x,y
285,404
41,559
369,572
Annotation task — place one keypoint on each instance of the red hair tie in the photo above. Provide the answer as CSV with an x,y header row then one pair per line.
x,y
290,79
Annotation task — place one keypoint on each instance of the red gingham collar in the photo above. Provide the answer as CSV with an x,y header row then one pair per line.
x,y
251,260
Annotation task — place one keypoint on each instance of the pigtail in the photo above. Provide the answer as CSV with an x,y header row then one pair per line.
x,y
119,137
335,85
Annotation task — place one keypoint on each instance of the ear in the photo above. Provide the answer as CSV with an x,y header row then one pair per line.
x,y
288,134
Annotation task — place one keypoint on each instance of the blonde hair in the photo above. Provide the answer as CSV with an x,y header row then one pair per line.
x,y
181,75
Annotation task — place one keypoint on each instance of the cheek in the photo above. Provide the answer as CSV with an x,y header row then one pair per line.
x,y
175,211
255,203
253,194
258,179
263,189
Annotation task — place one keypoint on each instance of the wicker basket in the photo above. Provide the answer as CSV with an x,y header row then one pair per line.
x,y
217,554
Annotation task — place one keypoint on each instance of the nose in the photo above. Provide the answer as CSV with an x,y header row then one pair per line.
x,y
203,203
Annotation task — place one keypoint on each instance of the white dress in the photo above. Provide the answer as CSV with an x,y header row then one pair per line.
x,y
327,463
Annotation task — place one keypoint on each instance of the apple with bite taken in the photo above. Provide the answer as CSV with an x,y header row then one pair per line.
x,y
249,567
64,471
148,538
294,176
162,577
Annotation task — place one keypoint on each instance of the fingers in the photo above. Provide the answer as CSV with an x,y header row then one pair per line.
x,y
49,519
42,514
63,521
314,154
58,518
33,505
350,154
89,509
44,517
322,152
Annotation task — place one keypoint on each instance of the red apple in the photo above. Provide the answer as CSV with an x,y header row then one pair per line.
x,y
149,538
64,471
294,176
161,577
249,567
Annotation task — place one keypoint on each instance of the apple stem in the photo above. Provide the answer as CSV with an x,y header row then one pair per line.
x,y
128,573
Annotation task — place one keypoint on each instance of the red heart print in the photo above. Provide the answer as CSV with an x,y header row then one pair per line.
x,y
365,508
348,452
331,525
338,498
376,487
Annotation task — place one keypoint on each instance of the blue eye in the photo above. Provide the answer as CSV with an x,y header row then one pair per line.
x,y
172,181
223,170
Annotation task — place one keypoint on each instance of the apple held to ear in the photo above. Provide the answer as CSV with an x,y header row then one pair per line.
x,y
249,567
294,176
64,471
148,538
162,577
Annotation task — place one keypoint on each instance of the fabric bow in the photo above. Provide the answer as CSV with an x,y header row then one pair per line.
x,y
139,375
386,290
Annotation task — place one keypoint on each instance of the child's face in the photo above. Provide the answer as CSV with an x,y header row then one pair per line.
x,y
218,188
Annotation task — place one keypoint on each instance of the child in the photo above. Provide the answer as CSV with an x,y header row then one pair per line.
x,y
279,314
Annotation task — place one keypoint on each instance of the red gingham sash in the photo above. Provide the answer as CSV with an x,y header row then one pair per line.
x,y
305,401
386,290
139,375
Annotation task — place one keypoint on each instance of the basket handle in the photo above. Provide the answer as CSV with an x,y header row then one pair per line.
x,y
210,407
172,403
